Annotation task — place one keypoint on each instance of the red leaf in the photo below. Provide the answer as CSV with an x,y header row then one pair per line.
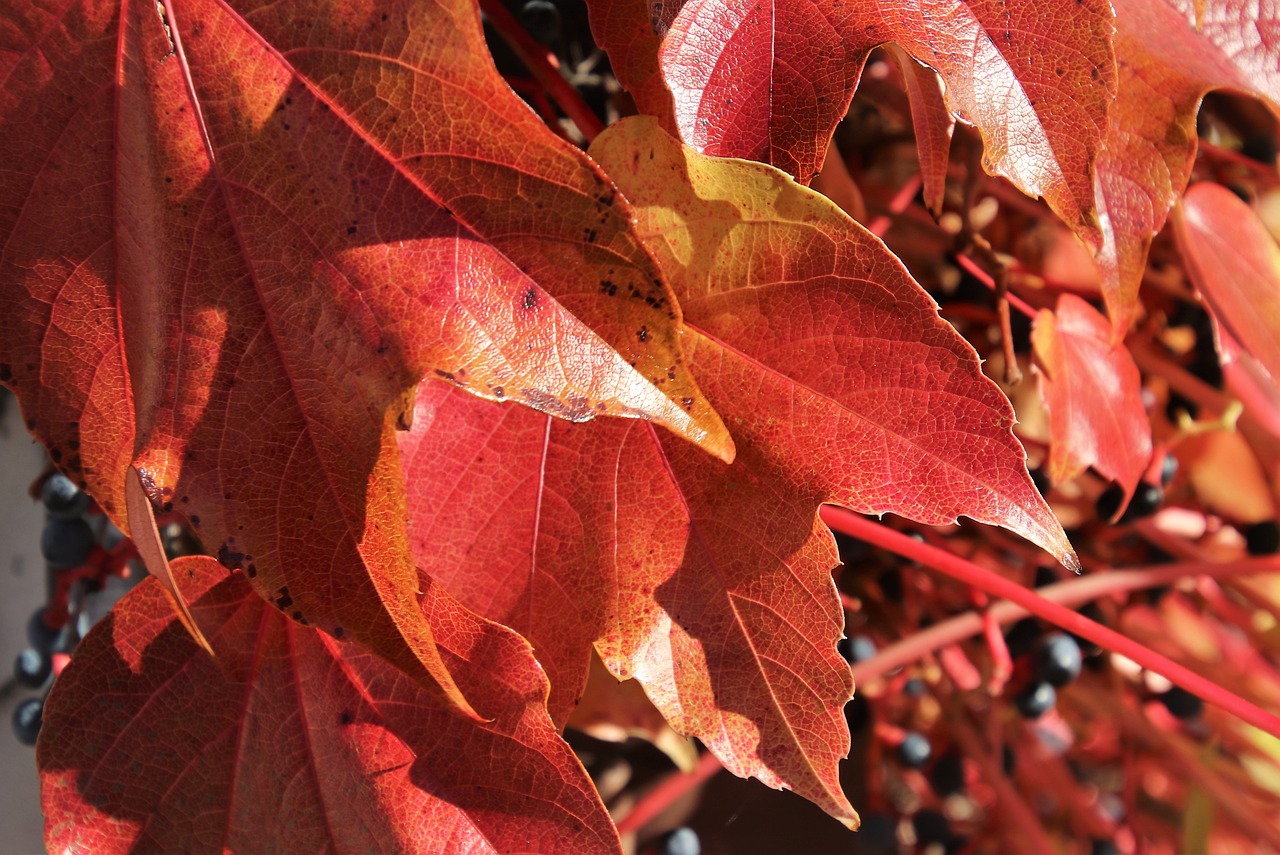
x,y
231,270
711,583
512,512
1167,64
294,742
1093,392
1235,263
934,125
770,81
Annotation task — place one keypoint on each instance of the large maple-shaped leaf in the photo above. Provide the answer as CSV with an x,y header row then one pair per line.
x,y
710,583
291,741
232,244
770,81
1167,63
1235,263
1093,392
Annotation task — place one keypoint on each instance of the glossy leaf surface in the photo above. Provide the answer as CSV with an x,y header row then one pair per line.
x,y
231,270
1235,263
769,82
1167,63
293,742
1093,392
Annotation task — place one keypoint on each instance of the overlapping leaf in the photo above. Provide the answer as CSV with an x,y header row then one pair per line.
x,y
1235,263
1167,63
293,742
231,268
770,81
1093,391
710,583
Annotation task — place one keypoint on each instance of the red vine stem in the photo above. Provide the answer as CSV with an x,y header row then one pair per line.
x,y
664,795
1031,837
899,203
1069,593
543,66
985,278
856,525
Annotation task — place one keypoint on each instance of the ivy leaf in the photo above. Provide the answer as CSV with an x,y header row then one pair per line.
x,y
1093,391
1167,64
1235,263
292,742
769,82
230,271
710,583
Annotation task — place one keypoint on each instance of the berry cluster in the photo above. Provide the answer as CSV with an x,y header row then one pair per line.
x,y
78,566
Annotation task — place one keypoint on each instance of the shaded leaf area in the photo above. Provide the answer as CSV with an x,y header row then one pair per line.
x,y
1235,263
769,82
1167,63
1093,392
293,742
710,583
231,270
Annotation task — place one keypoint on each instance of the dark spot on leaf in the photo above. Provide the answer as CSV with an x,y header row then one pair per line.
x,y
497,392
687,402
447,375
299,618
167,508
590,235
228,557
530,299
195,520
643,334
56,455
346,717
351,230
338,632
607,287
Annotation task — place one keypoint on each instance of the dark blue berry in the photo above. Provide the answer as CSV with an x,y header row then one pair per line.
x,y
1035,700
1262,538
931,827
40,635
62,498
1058,659
1022,636
66,542
1181,703
947,775
27,717
32,668
1145,502
914,750
859,648
878,834
682,841
1108,502
541,19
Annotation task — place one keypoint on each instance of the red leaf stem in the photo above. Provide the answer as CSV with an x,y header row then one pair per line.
x,y
969,573
542,65
666,793
899,203
1174,750
985,278
1031,835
